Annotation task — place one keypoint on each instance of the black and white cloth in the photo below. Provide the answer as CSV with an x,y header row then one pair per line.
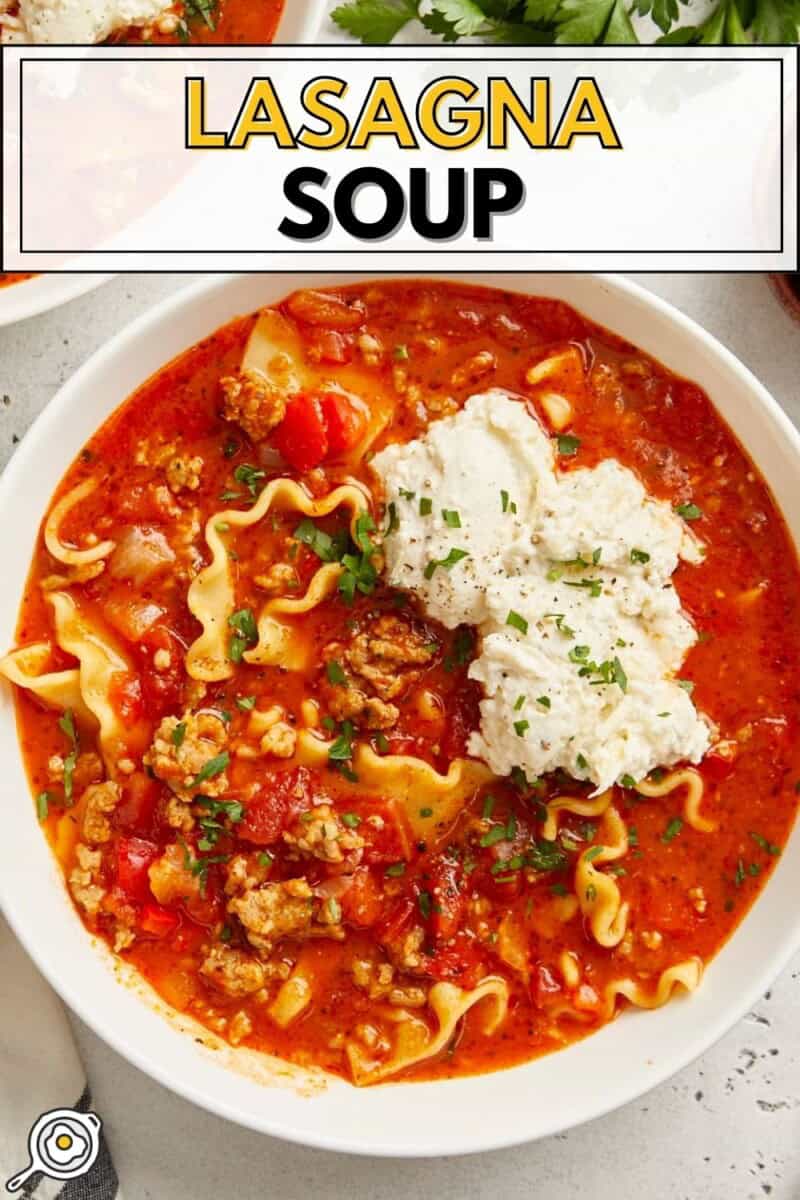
x,y
40,1070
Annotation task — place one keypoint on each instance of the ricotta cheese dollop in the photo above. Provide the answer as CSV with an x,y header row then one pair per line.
x,y
567,577
79,22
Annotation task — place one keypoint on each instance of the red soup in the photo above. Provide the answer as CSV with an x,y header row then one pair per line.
x,y
255,754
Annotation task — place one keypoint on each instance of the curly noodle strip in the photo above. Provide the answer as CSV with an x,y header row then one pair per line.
x,y
686,975
60,690
405,778
63,553
693,782
211,597
415,1042
573,804
598,894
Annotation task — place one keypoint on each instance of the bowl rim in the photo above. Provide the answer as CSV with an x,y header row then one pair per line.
x,y
697,1040
44,291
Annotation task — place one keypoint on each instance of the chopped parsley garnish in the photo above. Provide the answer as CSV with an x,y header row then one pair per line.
x,y
401,352
230,448
488,806
66,724
381,742
562,626
593,586
214,766
249,475
544,701
245,703
246,634
453,556
518,703
739,877
581,763
406,494
351,820
672,830
396,870
762,842
628,781
578,654
178,734
639,556
202,10
326,548
43,802
451,518
265,859
516,621
633,835
425,506
506,504
559,889
544,855
335,673
689,512
593,852
394,520
568,444
686,684
521,727
496,834
425,904
341,750
426,812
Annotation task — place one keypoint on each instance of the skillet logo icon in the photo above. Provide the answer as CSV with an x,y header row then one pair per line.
x,y
62,1144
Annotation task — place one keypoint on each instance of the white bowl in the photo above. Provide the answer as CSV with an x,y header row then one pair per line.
x,y
587,1079
300,22
37,295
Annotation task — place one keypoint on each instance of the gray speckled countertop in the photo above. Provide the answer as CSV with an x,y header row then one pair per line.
x,y
728,1126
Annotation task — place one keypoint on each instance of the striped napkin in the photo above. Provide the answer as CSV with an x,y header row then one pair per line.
x,y
40,1071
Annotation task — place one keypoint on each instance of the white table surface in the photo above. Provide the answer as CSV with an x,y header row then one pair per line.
x,y
726,1128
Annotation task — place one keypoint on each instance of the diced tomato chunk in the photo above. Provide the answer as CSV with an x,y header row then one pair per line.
x,y
125,694
447,900
460,959
720,761
137,807
158,921
397,921
301,436
162,689
274,807
134,857
362,903
387,840
464,719
328,346
345,421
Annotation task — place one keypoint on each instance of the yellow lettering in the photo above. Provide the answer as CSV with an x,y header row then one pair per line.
x,y
505,104
336,124
382,114
470,119
586,115
261,114
197,137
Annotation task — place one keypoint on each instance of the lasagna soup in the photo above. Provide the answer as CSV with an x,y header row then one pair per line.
x,y
406,676
123,22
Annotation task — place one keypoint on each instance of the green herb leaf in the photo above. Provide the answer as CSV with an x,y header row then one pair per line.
x,y
453,556
517,622
567,444
689,512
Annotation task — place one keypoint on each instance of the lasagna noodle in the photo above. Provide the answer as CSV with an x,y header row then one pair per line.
x,y
57,689
686,975
598,894
572,804
693,782
415,1042
100,662
71,556
211,597
430,801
